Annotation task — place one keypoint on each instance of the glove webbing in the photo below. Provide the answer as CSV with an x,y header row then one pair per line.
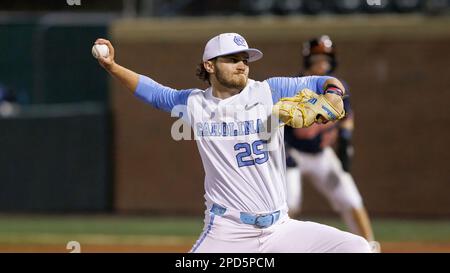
x,y
298,98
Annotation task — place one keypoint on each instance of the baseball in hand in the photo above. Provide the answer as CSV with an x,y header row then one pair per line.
x,y
100,50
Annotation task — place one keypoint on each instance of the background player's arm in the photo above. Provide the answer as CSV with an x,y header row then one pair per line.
x,y
345,147
128,78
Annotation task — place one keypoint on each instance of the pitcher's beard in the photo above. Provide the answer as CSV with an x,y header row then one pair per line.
x,y
234,83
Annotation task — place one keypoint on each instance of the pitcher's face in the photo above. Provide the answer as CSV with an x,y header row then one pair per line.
x,y
232,70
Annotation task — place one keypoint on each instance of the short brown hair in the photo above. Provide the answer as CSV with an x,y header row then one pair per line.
x,y
201,73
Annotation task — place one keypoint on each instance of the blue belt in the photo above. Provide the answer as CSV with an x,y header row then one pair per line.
x,y
259,220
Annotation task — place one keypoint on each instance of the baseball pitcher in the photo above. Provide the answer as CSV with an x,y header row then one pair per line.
x,y
245,186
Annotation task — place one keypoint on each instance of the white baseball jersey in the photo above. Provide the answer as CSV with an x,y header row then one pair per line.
x,y
240,172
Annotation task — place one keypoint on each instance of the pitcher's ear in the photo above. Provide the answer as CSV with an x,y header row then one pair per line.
x,y
209,66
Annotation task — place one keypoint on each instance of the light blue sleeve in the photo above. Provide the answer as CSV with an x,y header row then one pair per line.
x,y
282,87
160,96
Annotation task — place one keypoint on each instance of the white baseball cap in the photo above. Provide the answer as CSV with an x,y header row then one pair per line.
x,y
229,43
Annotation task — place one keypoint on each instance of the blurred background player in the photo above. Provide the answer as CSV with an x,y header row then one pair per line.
x,y
310,153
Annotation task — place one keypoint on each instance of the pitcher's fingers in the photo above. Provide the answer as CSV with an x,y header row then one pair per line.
x,y
102,41
108,44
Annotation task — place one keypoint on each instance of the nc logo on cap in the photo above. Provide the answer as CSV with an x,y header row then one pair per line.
x,y
239,41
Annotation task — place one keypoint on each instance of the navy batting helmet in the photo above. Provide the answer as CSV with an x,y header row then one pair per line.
x,y
319,45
